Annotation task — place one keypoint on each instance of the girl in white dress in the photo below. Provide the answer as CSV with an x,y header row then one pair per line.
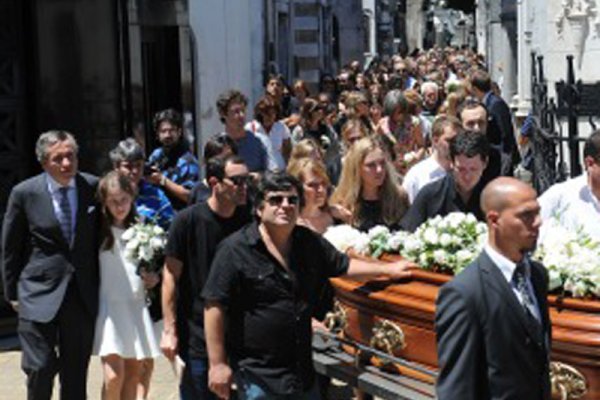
x,y
124,335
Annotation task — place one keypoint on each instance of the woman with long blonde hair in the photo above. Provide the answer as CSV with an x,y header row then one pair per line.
x,y
368,187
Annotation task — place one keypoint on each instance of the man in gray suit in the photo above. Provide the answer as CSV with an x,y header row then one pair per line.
x,y
492,324
50,268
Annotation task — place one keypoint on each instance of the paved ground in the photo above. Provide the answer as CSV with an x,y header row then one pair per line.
x,y
12,379
163,387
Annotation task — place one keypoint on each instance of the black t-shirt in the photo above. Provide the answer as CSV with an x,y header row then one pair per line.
x,y
371,215
440,198
269,310
193,239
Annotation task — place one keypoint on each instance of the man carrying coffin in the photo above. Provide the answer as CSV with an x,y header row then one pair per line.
x,y
492,324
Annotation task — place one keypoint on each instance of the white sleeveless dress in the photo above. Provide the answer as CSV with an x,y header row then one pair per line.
x,y
123,326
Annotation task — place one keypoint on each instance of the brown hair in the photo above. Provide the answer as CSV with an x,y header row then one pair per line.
x,y
110,181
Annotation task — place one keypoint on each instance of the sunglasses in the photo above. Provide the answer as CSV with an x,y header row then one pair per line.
x,y
277,200
240,179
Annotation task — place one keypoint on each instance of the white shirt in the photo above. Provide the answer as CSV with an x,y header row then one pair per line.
x,y
278,134
574,204
422,173
54,189
507,268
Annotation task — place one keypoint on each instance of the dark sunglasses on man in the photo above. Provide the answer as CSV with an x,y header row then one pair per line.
x,y
277,199
240,179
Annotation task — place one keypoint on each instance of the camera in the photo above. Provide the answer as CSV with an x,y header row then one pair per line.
x,y
149,169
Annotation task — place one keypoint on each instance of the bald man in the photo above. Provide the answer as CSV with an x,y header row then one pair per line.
x,y
492,324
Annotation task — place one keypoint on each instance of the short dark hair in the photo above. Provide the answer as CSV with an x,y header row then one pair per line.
x,y
169,115
263,106
469,144
215,145
277,182
226,99
470,103
481,80
215,167
591,148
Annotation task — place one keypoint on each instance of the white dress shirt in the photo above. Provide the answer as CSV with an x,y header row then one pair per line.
x,y
422,173
573,204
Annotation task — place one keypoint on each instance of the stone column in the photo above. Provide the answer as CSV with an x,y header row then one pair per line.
x,y
522,102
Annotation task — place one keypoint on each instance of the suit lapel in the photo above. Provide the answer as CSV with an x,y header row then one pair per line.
x,y
540,289
494,280
47,210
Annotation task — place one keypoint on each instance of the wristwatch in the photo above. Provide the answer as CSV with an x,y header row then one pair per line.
x,y
163,180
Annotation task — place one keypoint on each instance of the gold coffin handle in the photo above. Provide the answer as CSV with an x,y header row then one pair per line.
x,y
566,381
387,337
337,320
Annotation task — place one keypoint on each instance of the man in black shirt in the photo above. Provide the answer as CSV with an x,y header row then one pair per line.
x,y
460,189
193,238
264,280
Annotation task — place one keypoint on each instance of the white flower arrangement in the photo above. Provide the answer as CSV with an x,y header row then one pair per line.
x,y
345,238
145,243
572,259
446,244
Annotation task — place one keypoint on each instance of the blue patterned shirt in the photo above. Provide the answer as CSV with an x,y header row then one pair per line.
x,y
153,204
179,166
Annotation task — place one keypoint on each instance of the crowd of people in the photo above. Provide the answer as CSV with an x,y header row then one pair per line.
x,y
246,268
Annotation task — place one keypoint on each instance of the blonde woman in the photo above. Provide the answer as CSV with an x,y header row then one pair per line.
x,y
368,188
315,213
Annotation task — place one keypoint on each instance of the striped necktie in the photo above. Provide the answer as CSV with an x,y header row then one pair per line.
x,y
527,301
65,214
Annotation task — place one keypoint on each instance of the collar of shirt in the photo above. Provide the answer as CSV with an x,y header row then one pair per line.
x,y
506,266
54,186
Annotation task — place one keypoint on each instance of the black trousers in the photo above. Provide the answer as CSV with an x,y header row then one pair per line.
x,y
63,346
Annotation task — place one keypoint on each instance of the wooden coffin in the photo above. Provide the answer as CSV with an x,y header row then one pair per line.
x,y
398,317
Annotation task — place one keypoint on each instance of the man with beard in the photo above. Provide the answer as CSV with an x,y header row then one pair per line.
x,y
173,166
492,323
192,243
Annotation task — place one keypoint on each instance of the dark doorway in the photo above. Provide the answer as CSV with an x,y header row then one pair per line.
x,y
161,74
16,144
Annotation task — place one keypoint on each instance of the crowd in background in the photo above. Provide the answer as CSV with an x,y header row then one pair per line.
x,y
395,143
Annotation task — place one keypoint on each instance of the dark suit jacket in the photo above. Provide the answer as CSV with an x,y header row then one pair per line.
x,y
38,263
440,198
501,132
487,348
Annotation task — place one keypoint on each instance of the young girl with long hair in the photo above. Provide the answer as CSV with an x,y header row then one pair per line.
x,y
368,188
124,334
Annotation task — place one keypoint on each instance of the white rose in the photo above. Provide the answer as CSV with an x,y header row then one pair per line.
x,y
132,244
445,239
430,236
156,243
440,257
128,234
378,230
157,230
